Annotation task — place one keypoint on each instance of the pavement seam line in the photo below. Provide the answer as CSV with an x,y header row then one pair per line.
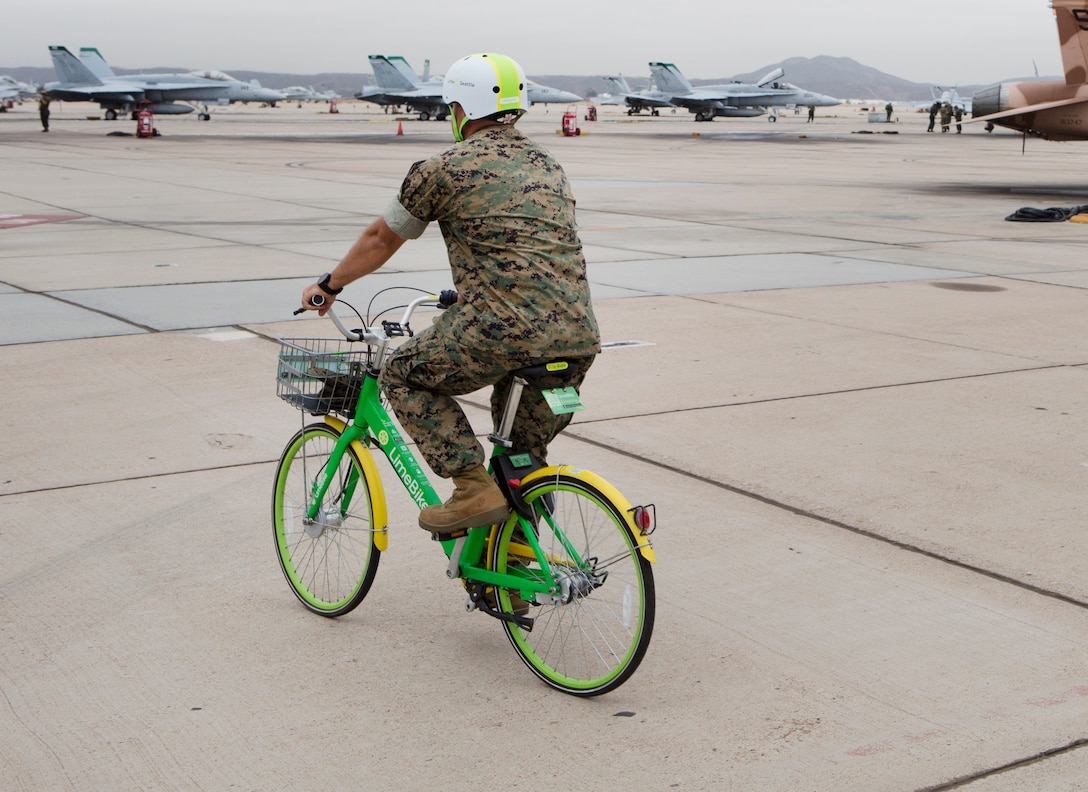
x,y
957,783
831,521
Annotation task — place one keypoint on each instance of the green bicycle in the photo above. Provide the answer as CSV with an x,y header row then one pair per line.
x,y
568,574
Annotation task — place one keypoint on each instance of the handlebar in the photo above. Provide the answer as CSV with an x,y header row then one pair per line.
x,y
374,335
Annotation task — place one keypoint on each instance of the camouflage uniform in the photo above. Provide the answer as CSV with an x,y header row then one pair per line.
x,y
507,215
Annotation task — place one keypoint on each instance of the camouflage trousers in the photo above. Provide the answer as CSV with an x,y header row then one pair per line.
x,y
422,378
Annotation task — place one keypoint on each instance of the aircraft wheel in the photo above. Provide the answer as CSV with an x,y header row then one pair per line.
x,y
772,119
111,115
204,117
424,115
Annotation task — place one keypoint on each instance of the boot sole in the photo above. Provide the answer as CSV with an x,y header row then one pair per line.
x,y
498,514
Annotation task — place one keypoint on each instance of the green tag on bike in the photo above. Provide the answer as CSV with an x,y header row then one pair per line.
x,y
563,400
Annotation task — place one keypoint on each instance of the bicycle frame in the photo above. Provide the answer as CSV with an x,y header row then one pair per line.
x,y
373,424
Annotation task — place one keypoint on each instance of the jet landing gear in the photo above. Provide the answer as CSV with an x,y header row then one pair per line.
x,y
438,115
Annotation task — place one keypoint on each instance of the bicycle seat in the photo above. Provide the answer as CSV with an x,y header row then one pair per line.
x,y
553,374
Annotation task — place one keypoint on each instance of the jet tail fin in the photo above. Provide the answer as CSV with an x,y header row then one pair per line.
x,y
389,73
70,71
618,84
93,60
669,79
1072,19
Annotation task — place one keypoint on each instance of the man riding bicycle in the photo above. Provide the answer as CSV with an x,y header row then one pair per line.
x,y
506,212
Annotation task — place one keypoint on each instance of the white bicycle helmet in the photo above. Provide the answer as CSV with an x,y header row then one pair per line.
x,y
487,85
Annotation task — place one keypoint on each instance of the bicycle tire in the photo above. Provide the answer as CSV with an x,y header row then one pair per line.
x,y
592,643
330,563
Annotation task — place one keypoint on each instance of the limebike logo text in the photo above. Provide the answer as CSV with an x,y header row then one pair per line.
x,y
409,483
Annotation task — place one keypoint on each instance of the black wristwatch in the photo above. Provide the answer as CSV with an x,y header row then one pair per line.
x,y
323,284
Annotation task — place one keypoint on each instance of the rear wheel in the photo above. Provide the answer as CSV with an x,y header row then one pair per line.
x,y
330,561
590,634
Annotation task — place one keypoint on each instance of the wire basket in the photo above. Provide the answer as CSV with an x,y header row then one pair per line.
x,y
322,375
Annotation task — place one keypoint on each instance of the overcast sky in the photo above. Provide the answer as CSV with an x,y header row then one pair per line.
x,y
928,41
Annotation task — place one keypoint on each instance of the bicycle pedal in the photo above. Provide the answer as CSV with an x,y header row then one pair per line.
x,y
449,537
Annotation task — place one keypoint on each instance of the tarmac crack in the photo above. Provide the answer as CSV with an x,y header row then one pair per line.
x,y
963,781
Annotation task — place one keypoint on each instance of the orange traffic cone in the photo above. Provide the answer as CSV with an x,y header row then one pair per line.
x,y
400,129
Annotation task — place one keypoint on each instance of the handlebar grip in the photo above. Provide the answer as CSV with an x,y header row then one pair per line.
x,y
447,298
317,301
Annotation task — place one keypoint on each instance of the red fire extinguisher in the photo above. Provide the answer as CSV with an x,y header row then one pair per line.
x,y
145,120
570,123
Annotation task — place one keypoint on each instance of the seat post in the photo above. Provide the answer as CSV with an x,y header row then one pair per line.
x,y
501,436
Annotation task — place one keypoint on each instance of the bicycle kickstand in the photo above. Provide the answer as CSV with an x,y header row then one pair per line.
x,y
477,599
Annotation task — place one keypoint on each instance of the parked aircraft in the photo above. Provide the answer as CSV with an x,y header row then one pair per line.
x,y
235,90
304,93
950,96
544,94
734,99
397,84
238,91
636,101
11,90
1050,109
78,83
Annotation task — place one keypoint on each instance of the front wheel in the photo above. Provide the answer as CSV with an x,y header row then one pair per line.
x,y
590,633
329,561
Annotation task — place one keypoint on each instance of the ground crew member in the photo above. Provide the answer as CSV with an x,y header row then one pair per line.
x,y
946,116
933,108
43,111
507,215
959,119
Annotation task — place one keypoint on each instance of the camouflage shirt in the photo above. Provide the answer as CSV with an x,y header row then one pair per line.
x,y
507,215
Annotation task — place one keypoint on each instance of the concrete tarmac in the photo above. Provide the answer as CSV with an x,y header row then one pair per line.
x,y
858,402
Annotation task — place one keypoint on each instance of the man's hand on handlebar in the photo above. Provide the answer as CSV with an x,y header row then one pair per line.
x,y
314,298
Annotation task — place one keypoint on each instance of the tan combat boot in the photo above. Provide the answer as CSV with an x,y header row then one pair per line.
x,y
476,500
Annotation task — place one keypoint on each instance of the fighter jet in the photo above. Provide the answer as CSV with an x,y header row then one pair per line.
x,y
397,84
79,83
950,96
636,101
235,90
1050,109
306,93
734,99
238,91
11,90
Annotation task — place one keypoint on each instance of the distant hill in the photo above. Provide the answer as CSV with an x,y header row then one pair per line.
x,y
836,76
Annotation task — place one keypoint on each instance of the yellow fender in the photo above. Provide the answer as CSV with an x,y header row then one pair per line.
x,y
605,489
377,492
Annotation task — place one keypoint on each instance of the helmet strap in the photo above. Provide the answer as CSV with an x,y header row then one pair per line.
x,y
458,129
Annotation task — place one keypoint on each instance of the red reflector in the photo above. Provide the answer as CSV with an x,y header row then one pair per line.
x,y
515,483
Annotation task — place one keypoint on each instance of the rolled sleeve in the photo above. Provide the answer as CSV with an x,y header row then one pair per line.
x,y
402,222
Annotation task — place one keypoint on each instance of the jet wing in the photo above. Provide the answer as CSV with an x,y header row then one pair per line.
x,y
415,98
76,93
1035,108
694,103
